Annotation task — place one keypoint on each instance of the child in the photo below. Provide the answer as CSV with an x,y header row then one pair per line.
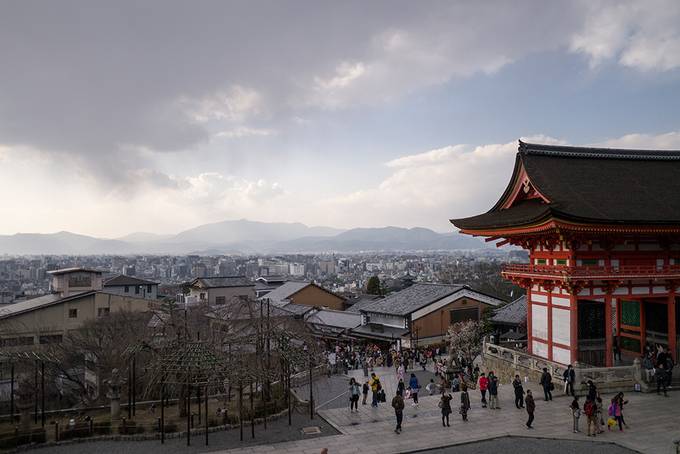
x,y
365,392
431,387
576,413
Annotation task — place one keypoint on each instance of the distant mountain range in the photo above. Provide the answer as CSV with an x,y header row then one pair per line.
x,y
241,237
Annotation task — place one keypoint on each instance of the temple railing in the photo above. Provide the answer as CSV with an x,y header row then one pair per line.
x,y
523,359
606,378
590,272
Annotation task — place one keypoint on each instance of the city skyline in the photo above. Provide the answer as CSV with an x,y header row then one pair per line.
x,y
118,118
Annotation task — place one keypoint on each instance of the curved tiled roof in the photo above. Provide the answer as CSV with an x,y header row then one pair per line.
x,y
591,186
514,313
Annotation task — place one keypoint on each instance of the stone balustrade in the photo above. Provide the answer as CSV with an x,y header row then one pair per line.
x,y
507,363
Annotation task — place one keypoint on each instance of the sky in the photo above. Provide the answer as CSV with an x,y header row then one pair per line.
x,y
158,116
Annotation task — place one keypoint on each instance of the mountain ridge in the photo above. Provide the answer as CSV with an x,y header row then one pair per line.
x,y
241,236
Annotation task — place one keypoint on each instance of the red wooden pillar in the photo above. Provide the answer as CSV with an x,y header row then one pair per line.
x,y
609,335
530,346
643,327
573,326
671,324
550,324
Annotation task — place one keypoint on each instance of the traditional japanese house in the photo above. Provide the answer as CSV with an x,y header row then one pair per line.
x,y
602,228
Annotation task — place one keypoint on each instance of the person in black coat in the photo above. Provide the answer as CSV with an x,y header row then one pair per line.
x,y
546,383
519,392
569,380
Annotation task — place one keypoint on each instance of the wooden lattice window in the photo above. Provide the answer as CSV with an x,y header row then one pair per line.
x,y
630,313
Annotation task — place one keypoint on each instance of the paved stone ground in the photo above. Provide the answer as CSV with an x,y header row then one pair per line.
x,y
333,392
277,431
653,424
531,446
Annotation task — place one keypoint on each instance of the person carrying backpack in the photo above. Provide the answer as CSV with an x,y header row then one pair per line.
x,y
590,409
398,405
415,387
376,387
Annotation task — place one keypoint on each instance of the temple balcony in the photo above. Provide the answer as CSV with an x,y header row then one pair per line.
x,y
601,273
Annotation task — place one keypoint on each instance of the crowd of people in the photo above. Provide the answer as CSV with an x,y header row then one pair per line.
x,y
454,388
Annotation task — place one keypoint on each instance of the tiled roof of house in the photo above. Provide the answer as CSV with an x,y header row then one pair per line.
x,y
514,313
411,298
126,280
223,281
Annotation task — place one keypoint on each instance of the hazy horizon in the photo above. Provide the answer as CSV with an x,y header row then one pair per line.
x,y
170,234
122,117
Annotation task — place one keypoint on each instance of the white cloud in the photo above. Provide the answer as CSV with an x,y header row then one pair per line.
x,y
235,104
244,131
667,141
641,35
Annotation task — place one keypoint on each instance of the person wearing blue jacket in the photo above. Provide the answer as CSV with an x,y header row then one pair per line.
x,y
415,387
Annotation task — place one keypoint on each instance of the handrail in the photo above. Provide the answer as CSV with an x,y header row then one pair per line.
x,y
591,272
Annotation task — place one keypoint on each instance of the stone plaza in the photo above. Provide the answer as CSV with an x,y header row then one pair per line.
x,y
653,424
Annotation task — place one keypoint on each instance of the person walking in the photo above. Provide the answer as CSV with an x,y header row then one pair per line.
x,y
661,380
531,407
621,402
483,385
415,387
375,389
569,379
398,405
600,413
364,391
464,402
519,392
493,392
575,412
354,392
445,405
590,410
615,413
401,386
547,384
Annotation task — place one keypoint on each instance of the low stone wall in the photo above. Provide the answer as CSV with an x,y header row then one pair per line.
x,y
506,371
506,363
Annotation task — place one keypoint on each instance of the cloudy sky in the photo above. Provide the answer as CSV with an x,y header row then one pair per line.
x,y
158,116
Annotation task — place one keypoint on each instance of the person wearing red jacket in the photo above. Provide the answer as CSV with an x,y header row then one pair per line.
x,y
483,386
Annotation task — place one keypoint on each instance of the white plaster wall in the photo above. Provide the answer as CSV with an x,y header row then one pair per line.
x,y
561,301
539,298
539,322
561,327
540,349
561,355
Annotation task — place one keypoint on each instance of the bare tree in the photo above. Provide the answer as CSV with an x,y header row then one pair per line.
x,y
465,341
